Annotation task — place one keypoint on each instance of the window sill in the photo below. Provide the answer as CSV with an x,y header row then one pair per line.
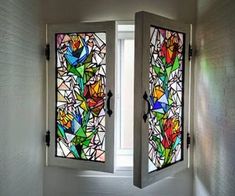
x,y
120,172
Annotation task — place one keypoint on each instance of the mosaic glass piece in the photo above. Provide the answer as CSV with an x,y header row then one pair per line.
x,y
166,98
81,80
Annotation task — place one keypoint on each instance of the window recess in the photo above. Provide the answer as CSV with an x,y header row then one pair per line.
x,y
151,97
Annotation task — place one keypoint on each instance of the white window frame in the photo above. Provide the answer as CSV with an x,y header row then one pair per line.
x,y
143,21
109,29
121,152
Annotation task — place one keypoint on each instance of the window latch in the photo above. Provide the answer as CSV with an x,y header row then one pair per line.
x,y
48,138
47,52
145,116
188,140
190,52
109,111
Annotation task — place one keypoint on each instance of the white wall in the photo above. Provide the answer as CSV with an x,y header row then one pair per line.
x,y
214,99
60,182
21,98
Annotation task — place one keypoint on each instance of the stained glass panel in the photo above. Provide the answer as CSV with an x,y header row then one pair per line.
x,y
166,98
81,80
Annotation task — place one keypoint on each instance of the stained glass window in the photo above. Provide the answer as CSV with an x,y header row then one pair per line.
x,y
166,98
80,100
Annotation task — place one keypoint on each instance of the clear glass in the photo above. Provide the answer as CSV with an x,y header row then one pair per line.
x,y
127,95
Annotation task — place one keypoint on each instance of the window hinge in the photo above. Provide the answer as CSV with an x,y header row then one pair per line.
x,y
48,138
188,140
190,52
47,52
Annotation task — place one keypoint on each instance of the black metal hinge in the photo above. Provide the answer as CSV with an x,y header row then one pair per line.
x,y
47,52
190,52
48,138
188,140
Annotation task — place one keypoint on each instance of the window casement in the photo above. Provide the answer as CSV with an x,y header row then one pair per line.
x,y
82,96
161,98
81,108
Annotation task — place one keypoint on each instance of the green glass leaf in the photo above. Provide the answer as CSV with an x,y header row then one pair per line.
x,y
176,64
166,155
159,116
86,143
156,69
168,71
81,133
74,151
89,58
81,70
60,130
164,60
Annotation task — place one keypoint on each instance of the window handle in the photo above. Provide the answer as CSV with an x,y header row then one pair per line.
x,y
145,116
109,111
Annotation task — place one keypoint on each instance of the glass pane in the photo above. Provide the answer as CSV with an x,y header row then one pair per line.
x,y
127,95
80,101
166,98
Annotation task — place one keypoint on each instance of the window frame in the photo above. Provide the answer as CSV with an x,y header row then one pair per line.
x,y
143,21
109,29
121,152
